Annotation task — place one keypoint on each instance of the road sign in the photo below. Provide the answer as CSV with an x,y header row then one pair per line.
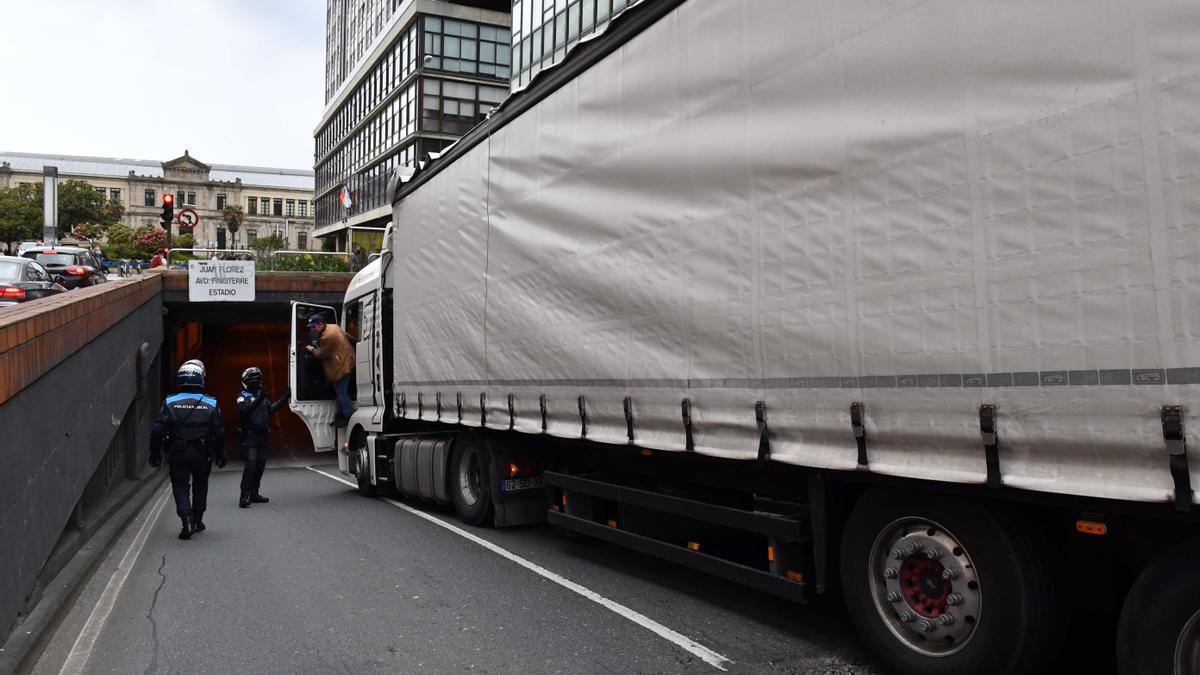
x,y
221,281
187,219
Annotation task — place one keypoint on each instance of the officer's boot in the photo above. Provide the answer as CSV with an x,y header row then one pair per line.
x,y
186,532
245,500
198,522
258,499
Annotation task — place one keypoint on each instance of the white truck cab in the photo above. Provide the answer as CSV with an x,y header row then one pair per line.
x,y
363,317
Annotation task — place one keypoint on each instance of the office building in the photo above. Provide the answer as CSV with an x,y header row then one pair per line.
x,y
403,78
544,30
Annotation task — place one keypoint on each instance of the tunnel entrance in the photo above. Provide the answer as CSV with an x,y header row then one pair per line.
x,y
232,336
226,350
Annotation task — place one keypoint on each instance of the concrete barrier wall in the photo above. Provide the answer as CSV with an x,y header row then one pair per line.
x,y
75,372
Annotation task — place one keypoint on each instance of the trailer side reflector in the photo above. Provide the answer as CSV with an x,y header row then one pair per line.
x,y
771,553
612,523
795,576
646,452
1091,527
694,545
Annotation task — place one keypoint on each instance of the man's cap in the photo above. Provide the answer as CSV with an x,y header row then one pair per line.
x,y
315,319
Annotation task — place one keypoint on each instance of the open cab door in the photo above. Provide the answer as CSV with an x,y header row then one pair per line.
x,y
313,399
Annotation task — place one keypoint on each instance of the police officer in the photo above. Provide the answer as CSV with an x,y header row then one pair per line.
x,y
255,407
189,430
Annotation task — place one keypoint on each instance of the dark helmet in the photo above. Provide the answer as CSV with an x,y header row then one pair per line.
x,y
252,378
190,375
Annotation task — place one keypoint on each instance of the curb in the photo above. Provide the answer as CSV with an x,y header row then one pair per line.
x,y
30,637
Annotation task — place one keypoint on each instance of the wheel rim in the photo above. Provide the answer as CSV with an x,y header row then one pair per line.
x,y
925,586
1187,648
364,462
469,478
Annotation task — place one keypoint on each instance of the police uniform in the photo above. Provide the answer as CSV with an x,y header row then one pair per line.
x,y
189,430
255,408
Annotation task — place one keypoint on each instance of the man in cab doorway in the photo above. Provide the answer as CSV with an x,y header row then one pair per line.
x,y
337,357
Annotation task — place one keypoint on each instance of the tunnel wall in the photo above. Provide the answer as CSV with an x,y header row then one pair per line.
x,y
77,384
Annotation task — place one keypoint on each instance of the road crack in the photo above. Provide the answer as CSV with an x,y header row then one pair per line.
x,y
153,667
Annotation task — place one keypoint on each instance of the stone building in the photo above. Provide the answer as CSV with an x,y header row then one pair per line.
x,y
276,201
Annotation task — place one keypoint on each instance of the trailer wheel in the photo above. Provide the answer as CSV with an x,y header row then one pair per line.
x,y
1159,631
470,480
936,586
362,466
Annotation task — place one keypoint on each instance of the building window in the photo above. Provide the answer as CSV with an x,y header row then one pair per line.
x,y
291,207
252,206
302,240
149,197
303,208
115,194
179,198
220,201
278,206
251,237
191,199
100,190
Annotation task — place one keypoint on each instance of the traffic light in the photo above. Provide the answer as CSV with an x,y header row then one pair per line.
x,y
168,212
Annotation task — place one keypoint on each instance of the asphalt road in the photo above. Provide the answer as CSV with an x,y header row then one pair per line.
x,y
324,580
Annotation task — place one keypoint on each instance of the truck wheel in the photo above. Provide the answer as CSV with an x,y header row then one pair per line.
x,y
470,480
362,466
936,586
1159,631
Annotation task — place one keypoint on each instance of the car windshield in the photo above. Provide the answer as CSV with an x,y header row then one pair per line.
x,y
55,259
9,271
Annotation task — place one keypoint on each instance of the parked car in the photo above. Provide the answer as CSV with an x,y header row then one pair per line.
x,y
22,279
78,266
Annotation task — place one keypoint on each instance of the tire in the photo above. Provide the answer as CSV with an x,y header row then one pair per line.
x,y
1001,613
1159,630
470,480
362,467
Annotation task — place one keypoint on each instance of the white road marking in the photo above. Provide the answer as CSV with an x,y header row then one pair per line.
x,y
81,651
687,644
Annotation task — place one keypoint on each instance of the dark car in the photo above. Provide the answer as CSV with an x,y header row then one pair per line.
x,y
22,279
77,266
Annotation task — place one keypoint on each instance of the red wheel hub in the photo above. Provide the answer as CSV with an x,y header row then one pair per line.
x,y
923,586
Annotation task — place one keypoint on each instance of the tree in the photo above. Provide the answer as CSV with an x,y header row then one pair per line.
x,y
88,231
120,242
20,213
264,246
79,202
148,240
233,216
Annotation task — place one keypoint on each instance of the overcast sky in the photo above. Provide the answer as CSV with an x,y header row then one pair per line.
x,y
232,81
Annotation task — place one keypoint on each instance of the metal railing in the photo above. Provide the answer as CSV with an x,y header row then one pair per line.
x,y
237,251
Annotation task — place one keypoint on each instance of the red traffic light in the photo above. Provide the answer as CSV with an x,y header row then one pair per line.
x,y
168,199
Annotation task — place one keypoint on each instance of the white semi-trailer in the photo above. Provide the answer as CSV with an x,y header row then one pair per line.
x,y
894,299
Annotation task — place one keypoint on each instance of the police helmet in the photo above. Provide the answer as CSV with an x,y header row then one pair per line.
x,y
252,378
198,363
190,375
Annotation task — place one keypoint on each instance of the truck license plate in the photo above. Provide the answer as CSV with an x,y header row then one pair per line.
x,y
518,484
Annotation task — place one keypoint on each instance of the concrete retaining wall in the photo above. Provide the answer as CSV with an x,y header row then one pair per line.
x,y
78,381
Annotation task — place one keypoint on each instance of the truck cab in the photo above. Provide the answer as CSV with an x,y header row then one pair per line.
x,y
364,318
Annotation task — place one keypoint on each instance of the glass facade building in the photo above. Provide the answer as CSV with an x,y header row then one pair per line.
x,y
414,75
543,31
